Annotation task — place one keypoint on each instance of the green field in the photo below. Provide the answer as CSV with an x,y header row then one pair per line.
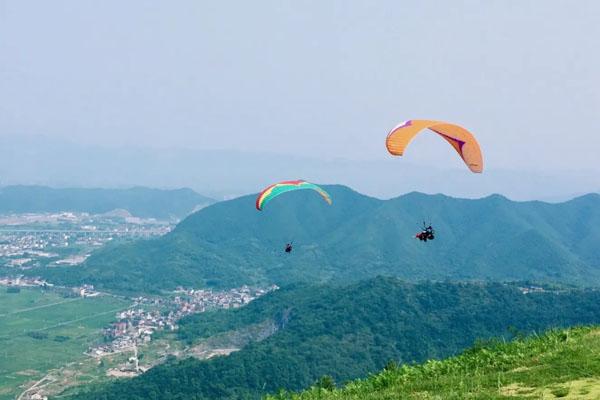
x,y
41,330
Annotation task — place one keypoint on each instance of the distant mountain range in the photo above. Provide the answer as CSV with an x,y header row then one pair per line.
x,y
138,201
222,174
349,332
230,243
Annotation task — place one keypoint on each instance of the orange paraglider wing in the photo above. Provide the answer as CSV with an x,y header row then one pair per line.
x,y
459,138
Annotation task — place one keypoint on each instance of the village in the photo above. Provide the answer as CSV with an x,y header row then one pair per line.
x,y
136,325
67,238
135,338
18,281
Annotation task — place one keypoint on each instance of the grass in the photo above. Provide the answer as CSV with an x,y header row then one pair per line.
x,y
561,364
40,331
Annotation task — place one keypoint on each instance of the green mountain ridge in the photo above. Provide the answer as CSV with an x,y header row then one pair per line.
x,y
139,201
560,364
230,243
348,332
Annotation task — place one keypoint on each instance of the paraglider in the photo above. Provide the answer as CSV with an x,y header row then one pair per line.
x,y
427,233
277,189
288,248
459,138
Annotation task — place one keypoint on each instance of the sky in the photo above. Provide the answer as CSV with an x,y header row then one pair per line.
x,y
316,79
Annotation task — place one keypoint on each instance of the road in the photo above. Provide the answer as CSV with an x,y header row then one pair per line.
x,y
38,307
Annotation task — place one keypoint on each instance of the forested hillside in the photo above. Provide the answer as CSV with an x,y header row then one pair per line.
x,y
349,332
561,364
230,243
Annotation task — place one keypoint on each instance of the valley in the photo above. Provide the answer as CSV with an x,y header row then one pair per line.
x,y
346,333
216,308
40,330
54,339
299,200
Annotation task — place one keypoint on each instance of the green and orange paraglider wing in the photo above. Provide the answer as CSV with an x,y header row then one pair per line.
x,y
277,189
459,138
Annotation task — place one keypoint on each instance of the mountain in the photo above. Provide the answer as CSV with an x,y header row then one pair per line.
x,y
230,243
558,364
50,161
347,333
139,201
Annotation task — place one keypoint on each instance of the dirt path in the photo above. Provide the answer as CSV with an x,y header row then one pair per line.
x,y
36,385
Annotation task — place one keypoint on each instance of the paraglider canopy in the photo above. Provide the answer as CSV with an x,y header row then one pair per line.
x,y
277,189
461,139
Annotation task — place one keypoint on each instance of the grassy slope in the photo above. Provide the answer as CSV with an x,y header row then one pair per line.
x,y
559,364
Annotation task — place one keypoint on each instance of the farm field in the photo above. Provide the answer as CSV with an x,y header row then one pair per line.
x,y
42,330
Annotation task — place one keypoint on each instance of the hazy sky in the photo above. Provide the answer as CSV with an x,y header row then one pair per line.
x,y
320,78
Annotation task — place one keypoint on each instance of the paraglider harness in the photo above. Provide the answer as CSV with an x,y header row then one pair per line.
x,y
427,233
288,247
